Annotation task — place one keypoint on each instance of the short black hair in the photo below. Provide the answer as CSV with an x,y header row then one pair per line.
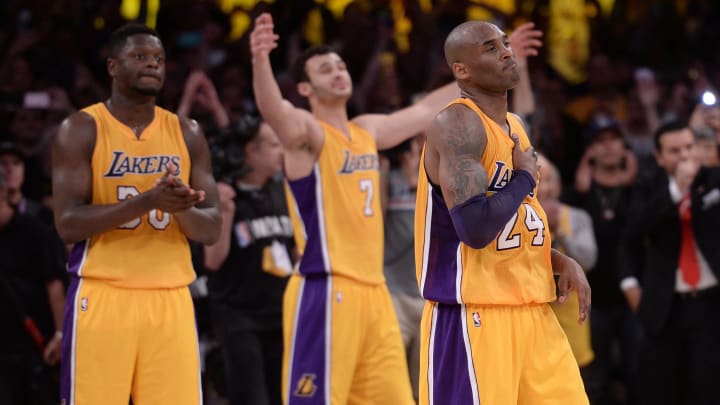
x,y
672,126
119,37
298,70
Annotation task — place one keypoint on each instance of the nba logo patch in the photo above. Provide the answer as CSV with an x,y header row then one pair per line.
x,y
83,304
242,234
476,319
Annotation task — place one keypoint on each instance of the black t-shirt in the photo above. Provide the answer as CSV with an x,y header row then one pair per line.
x,y
242,295
607,207
26,266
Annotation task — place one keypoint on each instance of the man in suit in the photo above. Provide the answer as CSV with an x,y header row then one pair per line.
x,y
674,220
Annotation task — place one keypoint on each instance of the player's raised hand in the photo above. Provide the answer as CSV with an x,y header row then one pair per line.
x,y
263,38
525,40
524,160
572,278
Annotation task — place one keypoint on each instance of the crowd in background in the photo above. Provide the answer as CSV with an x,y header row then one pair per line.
x,y
609,75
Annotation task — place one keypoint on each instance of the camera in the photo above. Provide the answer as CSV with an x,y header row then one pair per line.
x,y
227,149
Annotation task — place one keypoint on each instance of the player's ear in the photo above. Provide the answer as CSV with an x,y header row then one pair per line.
x,y
111,65
460,71
304,89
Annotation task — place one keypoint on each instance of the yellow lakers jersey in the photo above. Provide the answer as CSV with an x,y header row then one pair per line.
x,y
515,268
336,211
150,251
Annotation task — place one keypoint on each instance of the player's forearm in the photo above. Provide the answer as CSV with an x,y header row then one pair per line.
x,y
492,212
84,221
217,253
200,224
267,92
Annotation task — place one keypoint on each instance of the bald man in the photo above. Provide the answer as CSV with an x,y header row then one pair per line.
x,y
482,247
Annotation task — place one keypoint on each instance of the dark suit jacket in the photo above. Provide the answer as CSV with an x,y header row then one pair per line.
x,y
650,244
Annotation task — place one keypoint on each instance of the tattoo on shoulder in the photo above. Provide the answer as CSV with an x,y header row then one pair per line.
x,y
465,144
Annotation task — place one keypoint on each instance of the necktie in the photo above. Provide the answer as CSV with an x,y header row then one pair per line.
x,y
689,267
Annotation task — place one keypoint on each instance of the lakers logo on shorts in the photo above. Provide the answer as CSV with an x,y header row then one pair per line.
x,y
306,386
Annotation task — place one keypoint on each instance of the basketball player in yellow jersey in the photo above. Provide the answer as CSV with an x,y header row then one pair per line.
x,y
342,339
484,262
132,182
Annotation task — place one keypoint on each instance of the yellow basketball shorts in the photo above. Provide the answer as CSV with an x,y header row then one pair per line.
x,y
342,344
496,355
120,342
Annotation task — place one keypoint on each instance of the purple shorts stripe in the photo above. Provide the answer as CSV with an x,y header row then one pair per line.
x,y
450,379
67,364
309,384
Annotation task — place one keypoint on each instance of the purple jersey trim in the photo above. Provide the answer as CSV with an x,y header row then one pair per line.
x,y
441,274
305,191
76,258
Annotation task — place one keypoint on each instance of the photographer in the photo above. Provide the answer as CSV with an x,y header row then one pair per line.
x,y
31,308
249,264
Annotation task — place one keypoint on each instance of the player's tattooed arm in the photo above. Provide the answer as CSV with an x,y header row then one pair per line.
x,y
458,136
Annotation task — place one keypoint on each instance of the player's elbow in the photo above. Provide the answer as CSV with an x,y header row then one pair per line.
x,y
67,232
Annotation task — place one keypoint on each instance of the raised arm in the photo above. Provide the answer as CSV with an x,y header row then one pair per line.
x,y
199,88
525,41
200,222
391,129
456,142
295,127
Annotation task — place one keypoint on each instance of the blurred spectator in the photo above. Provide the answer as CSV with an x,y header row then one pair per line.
x,y
675,216
602,185
643,118
29,131
200,92
32,299
706,147
249,265
399,175
12,161
571,232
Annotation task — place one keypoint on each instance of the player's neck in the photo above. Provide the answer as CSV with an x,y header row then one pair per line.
x,y
129,111
333,114
493,105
